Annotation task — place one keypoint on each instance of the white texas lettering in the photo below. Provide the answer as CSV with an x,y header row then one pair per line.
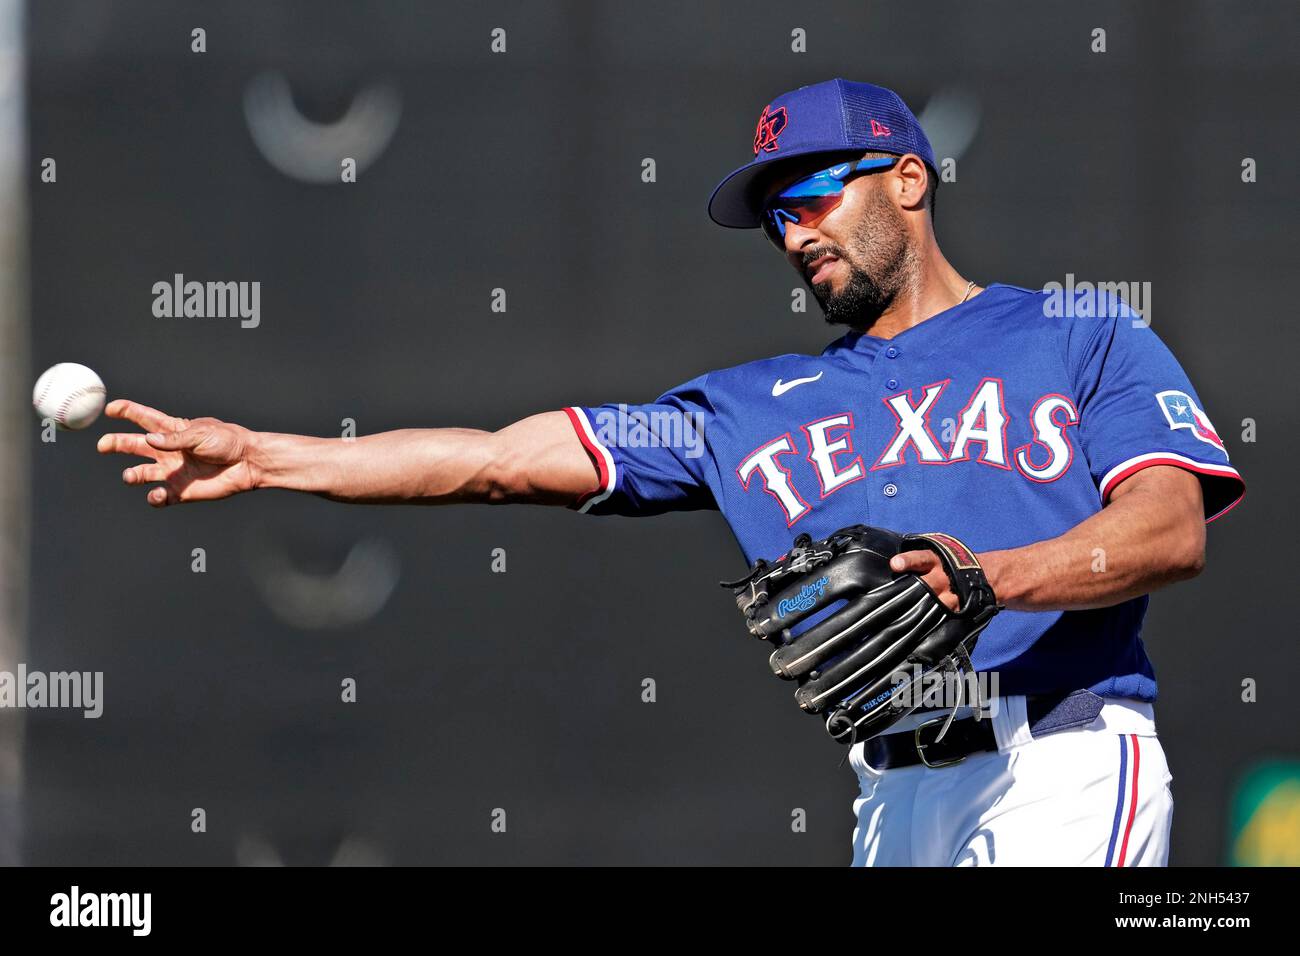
x,y
1049,433
983,421
776,477
822,451
913,428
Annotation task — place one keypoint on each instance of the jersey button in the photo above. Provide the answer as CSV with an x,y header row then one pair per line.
x,y
892,384
892,352
890,490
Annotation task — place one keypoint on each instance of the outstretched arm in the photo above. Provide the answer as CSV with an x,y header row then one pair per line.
x,y
1151,533
538,460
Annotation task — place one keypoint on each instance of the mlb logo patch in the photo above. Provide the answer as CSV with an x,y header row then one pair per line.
x,y
1181,412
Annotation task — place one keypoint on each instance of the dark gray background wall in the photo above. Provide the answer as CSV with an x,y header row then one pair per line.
x,y
522,171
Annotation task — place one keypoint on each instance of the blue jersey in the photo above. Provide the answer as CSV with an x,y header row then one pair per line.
x,y
1005,420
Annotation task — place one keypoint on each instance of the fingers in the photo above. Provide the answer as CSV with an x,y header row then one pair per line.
x,y
124,443
143,474
942,587
929,568
150,419
918,562
165,433
176,440
173,439
161,497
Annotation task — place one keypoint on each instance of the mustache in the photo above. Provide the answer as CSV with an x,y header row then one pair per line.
x,y
810,256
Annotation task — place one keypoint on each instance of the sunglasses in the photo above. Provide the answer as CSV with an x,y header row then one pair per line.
x,y
813,198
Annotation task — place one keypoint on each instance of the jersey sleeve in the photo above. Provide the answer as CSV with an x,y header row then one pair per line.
x,y
651,458
1137,408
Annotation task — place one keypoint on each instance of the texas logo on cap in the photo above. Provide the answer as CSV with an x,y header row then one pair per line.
x,y
770,124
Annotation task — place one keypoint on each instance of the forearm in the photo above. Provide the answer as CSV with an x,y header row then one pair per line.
x,y
537,460
436,465
1141,541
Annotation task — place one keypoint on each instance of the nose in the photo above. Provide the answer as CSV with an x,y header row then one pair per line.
x,y
798,237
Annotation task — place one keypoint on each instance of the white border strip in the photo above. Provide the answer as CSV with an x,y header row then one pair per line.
x,y
589,439
1202,467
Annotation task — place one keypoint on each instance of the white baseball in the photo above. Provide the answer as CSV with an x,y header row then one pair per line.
x,y
71,394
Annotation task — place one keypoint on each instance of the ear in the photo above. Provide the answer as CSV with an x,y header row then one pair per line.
x,y
910,178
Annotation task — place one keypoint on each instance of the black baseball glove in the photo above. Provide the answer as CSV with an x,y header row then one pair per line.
x,y
883,629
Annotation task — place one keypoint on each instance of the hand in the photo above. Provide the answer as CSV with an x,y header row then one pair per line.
x,y
201,459
929,568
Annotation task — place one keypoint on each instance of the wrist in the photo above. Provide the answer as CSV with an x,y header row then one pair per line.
x,y
293,462
272,461
1002,572
256,461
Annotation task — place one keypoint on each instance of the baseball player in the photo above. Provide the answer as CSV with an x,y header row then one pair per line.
x,y
966,468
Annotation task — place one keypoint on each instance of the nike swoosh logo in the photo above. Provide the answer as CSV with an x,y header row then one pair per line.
x,y
780,387
838,171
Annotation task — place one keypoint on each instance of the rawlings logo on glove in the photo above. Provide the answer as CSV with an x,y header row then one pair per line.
x,y
891,628
805,600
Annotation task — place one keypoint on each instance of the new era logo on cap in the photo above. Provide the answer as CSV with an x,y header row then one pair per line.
x,y
879,129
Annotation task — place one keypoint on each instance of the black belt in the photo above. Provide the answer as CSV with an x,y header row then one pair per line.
x,y
1048,713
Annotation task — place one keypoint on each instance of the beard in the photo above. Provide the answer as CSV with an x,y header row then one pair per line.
x,y
880,261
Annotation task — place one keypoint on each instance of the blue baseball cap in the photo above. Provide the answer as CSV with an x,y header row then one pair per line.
x,y
831,117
